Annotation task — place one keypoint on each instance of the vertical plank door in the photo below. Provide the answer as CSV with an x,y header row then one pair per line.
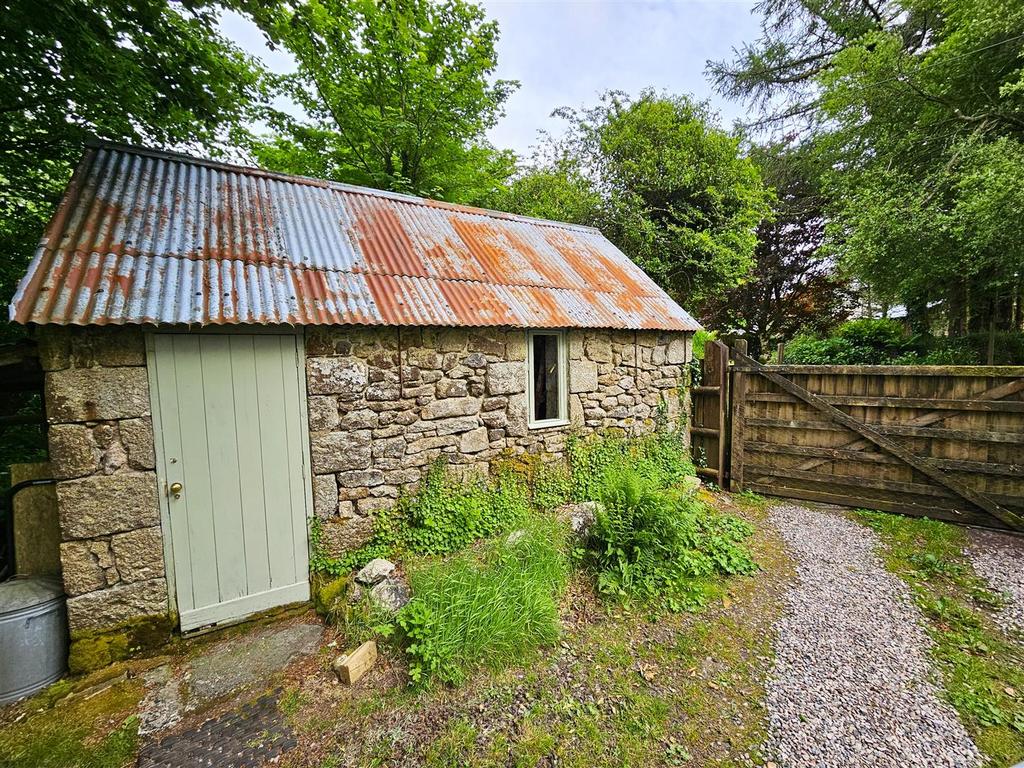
x,y
228,417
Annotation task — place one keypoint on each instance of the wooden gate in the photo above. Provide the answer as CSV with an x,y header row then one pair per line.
x,y
940,441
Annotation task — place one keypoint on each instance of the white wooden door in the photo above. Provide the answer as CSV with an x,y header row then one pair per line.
x,y
228,419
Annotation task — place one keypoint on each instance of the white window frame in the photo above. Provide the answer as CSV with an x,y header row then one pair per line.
x,y
563,381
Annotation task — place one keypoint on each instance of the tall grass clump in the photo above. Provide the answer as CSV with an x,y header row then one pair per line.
x,y
487,606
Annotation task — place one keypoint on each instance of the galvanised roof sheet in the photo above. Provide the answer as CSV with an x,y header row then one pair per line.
x,y
160,238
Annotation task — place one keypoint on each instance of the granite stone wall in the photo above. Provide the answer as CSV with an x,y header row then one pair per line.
x,y
386,402
101,452
383,404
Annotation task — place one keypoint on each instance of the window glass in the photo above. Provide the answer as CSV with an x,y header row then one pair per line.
x,y
546,378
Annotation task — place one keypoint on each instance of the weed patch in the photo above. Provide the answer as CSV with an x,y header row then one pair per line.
x,y
447,516
982,667
443,516
660,460
485,606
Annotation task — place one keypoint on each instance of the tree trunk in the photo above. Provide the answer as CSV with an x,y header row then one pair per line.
x,y
956,310
917,316
754,340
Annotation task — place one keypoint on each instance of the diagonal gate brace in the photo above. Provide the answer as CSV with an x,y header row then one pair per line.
x,y
920,463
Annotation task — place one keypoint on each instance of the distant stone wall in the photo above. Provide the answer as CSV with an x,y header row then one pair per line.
x,y
386,402
101,451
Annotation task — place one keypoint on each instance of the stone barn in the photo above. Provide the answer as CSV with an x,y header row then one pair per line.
x,y
230,352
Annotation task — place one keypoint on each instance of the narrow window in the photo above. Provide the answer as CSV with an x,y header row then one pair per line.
x,y
548,404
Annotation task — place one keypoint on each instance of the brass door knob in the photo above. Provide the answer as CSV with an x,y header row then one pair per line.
x,y
175,490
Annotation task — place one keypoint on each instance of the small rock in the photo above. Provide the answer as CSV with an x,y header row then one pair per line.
x,y
580,516
391,595
375,571
515,537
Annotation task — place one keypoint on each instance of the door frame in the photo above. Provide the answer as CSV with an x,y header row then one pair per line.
x,y
154,403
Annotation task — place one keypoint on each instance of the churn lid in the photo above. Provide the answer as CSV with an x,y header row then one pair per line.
x,y
23,592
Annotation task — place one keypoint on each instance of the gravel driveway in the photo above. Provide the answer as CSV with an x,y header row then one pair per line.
x,y
997,558
852,683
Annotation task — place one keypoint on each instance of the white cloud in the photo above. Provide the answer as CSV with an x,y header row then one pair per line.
x,y
567,52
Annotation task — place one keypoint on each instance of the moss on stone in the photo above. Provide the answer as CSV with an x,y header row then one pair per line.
x,y
95,649
327,592
95,729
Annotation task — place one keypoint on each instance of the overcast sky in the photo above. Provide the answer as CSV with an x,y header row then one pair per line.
x,y
566,52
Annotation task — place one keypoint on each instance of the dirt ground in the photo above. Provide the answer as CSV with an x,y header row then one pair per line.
x,y
622,687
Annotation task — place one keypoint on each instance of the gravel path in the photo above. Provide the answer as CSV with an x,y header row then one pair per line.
x,y
997,558
852,684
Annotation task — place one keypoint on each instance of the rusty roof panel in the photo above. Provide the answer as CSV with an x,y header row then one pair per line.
x,y
152,237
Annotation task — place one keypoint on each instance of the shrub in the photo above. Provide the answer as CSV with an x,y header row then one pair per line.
x,y
882,335
446,515
660,459
700,338
865,341
884,342
972,349
486,606
649,542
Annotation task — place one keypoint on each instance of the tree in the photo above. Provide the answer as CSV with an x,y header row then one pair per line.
x,y
146,72
793,287
665,184
554,190
917,107
397,95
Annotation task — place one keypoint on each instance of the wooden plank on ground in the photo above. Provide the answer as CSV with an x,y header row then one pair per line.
x,y
353,666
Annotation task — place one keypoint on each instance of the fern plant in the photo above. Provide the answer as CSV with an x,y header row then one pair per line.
x,y
651,542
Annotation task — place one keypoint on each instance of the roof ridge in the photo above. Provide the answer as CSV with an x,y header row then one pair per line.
x,y
166,154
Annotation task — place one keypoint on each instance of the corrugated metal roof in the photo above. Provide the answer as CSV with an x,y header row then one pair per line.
x,y
153,237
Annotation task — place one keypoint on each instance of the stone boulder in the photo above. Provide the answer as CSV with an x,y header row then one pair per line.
x,y
375,571
391,594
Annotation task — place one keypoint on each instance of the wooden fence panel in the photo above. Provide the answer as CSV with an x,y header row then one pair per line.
x,y
946,442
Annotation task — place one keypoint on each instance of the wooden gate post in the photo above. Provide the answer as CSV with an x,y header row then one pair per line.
x,y
737,406
709,422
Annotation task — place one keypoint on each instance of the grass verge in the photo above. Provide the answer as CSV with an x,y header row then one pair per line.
x,y
87,729
982,667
